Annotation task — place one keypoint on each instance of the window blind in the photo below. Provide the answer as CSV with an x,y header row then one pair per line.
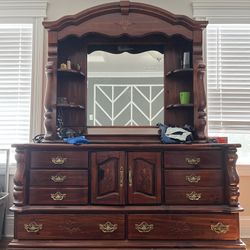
x,y
15,83
228,77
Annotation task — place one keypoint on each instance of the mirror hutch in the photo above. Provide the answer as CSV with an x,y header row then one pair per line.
x,y
125,189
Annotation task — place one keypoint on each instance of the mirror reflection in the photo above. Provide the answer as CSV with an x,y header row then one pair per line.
x,y
125,89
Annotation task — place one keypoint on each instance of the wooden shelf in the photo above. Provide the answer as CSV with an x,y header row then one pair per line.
x,y
180,106
180,72
70,106
70,72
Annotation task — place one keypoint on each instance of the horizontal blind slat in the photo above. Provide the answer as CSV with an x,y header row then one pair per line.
x,y
228,77
15,82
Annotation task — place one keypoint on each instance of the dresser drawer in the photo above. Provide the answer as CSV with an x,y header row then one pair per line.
x,y
189,159
183,226
58,196
193,178
194,195
59,159
68,226
59,177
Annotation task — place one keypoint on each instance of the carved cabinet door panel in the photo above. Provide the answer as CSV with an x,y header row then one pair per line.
x,y
107,177
144,177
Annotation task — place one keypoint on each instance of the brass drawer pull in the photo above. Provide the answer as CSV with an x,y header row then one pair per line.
x,y
108,227
144,227
193,178
220,228
33,227
193,196
121,176
59,160
57,196
192,161
58,178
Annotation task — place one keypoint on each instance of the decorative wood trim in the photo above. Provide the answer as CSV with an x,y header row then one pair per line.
x,y
127,10
20,178
232,177
199,88
50,101
201,101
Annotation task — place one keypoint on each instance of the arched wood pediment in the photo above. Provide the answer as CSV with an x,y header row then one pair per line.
x,y
124,18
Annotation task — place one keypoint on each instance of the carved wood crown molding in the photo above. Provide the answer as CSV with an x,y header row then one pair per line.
x,y
23,8
124,8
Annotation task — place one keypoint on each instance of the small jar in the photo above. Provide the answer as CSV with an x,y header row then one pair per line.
x,y
63,66
78,67
68,64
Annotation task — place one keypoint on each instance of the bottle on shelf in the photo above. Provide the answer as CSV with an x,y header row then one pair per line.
x,y
68,64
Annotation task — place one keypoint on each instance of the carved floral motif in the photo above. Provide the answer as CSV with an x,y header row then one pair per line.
x,y
71,226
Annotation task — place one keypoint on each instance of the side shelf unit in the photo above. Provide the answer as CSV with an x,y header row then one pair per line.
x,y
70,107
177,81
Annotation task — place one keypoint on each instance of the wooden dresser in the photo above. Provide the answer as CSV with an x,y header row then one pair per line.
x,y
126,196
125,189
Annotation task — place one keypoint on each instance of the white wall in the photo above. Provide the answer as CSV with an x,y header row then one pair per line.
x,y
59,8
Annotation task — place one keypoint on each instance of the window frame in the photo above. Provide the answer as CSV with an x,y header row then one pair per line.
x,y
30,12
222,12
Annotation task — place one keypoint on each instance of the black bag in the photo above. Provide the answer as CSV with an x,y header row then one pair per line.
x,y
173,135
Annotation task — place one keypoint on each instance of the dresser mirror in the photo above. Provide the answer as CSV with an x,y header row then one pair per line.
x,y
126,88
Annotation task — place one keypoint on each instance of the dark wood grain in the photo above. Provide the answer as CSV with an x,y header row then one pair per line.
x,y
70,159
58,178
67,226
182,227
115,245
183,195
144,178
107,170
207,178
43,196
204,159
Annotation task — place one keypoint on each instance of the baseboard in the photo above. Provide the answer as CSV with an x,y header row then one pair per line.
x,y
9,226
244,226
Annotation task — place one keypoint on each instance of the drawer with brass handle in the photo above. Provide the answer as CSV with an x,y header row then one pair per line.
x,y
182,226
58,177
58,196
59,159
33,227
194,195
108,227
193,159
206,178
70,226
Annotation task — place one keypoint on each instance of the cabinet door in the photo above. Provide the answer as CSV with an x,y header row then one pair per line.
x,y
144,177
107,179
